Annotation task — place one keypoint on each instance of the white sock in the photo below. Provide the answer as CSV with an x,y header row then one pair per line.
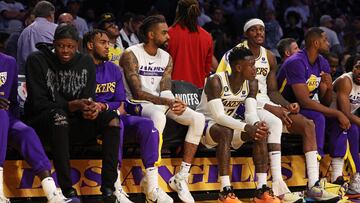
x,y
275,165
152,178
312,167
1,181
261,180
337,165
185,167
117,183
224,182
49,187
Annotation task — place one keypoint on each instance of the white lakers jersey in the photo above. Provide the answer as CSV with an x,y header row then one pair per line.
x,y
354,95
230,100
151,68
262,70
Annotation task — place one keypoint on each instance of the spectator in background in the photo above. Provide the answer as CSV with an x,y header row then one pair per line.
x,y
218,31
15,28
107,23
301,9
137,22
286,48
273,31
41,30
291,30
335,70
190,46
66,18
73,7
326,24
90,18
127,35
10,10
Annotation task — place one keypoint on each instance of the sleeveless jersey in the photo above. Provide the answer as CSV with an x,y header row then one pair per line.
x,y
151,68
354,96
262,70
230,100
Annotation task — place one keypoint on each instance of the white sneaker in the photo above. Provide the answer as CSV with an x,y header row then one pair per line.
x,y
292,197
318,193
179,183
3,199
122,197
354,185
58,197
156,195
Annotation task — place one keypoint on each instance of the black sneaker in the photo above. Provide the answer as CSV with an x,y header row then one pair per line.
x,y
339,181
108,195
228,196
71,194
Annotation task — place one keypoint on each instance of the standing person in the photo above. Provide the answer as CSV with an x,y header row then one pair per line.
x,y
61,88
16,134
306,79
147,69
276,111
347,88
113,98
190,46
222,96
41,30
73,7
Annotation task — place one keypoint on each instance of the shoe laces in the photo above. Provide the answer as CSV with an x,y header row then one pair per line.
x,y
227,192
119,193
264,189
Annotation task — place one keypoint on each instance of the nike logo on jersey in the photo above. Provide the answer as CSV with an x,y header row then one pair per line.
x,y
153,131
225,95
150,63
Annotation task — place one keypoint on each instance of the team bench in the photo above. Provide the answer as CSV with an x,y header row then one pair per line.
x,y
86,164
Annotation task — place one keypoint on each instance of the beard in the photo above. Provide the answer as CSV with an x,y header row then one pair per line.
x,y
99,57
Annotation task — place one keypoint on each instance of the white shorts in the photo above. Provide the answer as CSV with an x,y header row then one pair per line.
x,y
208,142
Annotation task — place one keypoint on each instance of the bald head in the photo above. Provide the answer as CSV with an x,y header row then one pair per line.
x,y
66,18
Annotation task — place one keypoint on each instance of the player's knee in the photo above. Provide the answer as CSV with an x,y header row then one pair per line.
x,y
115,122
59,117
159,120
3,114
309,126
275,128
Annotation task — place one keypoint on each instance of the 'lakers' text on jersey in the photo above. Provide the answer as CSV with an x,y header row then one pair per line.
x,y
151,68
262,70
230,100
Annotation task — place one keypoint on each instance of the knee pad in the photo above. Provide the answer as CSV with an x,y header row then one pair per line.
x,y
275,128
58,117
197,127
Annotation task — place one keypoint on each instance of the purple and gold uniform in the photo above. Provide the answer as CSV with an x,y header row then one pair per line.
x,y
12,130
110,90
297,69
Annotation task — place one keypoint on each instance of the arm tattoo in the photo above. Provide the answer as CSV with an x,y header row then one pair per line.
x,y
130,65
165,83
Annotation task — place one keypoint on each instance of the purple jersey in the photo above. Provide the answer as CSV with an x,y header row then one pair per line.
x,y
8,79
109,85
297,69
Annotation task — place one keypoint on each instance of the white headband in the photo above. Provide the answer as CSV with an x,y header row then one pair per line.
x,y
252,22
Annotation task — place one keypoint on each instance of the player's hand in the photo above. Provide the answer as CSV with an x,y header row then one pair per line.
x,y
344,122
293,107
178,107
326,79
4,103
281,113
259,131
79,104
91,111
